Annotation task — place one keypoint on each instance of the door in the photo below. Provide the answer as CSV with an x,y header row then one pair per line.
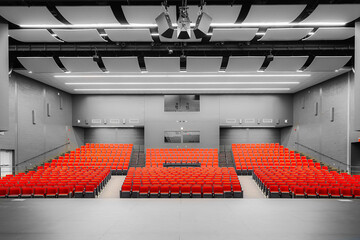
x,y
6,162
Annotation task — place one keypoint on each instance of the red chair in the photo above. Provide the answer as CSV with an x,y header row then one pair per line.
x,y
125,191
4,191
14,192
207,191
334,192
51,192
298,192
238,193
39,192
135,191
144,191
284,191
164,191
227,191
79,191
323,192
346,193
175,191
64,192
196,191
90,191
218,191
310,192
185,191
274,191
356,192
27,192
154,191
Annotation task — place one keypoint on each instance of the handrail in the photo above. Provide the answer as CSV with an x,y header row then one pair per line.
x,y
321,154
42,154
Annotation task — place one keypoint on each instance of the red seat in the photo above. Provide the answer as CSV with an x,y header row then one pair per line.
x,y
237,191
4,191
164,191
125,191
154,191
227,191
51,192
346,193
218,191
64,192
196,191
207,191
90,191
323,192
27,192
274,191
334,192
310,192
14,192
185,191
299,192
79,191
356,192
144,191
39,192
284,191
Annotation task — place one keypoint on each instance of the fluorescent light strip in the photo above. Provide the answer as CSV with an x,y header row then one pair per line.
x,y
182,89
178,83
140,25
183,76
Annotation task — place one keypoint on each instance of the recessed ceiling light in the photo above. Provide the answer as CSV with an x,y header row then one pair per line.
x,y
181,75
30,72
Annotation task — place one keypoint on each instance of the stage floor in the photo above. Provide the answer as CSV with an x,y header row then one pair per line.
x,y
174,219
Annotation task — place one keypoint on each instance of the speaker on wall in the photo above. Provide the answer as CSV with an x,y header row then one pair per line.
x,y
164,24
202,25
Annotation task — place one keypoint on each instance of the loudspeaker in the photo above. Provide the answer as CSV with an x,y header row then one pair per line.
x,y
183,29
202,25
165,27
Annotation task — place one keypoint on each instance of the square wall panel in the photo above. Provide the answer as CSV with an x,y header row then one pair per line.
x,y
203,64
285,34
244,63
129,35
80,64
327,63
162,64
286,63
332,34
233,34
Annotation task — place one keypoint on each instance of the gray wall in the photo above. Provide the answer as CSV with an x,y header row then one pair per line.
x,y
114,135
4,77
229,136
214,112
357,77
48,133
318,136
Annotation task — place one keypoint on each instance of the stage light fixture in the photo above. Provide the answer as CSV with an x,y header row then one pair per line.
x,y
164,24
183,27
202,25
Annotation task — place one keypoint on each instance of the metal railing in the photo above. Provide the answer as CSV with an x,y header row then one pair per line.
x,y
328,159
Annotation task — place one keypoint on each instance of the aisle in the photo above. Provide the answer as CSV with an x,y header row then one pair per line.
x,y
251,190
112,188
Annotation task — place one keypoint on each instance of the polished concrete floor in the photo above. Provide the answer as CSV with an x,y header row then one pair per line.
x,y
174,219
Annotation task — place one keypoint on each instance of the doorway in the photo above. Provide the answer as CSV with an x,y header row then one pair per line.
x,y
7,162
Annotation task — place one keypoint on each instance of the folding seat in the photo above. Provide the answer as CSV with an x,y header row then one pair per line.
x,y
39,192
196,191
334,192
164,191
310,192
274,191
237,191
4,191
64,192
298,192
356,192
346,193
175,191
144,191
51,192
218,191
185,191
27,192
90,191
125,191
79,191
135,191
323,192
284,191
14,192
227,191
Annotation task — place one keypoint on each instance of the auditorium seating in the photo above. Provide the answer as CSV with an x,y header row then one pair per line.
x,y
80,173
185,182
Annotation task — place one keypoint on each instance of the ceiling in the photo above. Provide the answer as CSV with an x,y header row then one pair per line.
x,y
251,46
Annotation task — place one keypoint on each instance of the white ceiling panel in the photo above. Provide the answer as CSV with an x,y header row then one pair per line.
x,y
32,35
80,64
286,63
79,35
88,14
203,64
285,34
244,63
146,14
129,35
121,64
162,64
273,13
330,13
175,39
233,34
28,15
332,34
328,63
218,13
40,64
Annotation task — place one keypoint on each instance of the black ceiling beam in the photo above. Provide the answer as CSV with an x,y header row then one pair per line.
x,y
158,2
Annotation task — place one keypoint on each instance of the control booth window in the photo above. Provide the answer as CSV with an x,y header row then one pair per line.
x,y
191,137
182,103
172,137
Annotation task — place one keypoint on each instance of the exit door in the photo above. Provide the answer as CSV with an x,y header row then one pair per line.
x,y
7,162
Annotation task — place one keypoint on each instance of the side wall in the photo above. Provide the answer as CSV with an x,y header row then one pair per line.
x,y
51,134
317,135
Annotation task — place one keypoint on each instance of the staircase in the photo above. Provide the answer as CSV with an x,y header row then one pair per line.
x,y
226,159
137,159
